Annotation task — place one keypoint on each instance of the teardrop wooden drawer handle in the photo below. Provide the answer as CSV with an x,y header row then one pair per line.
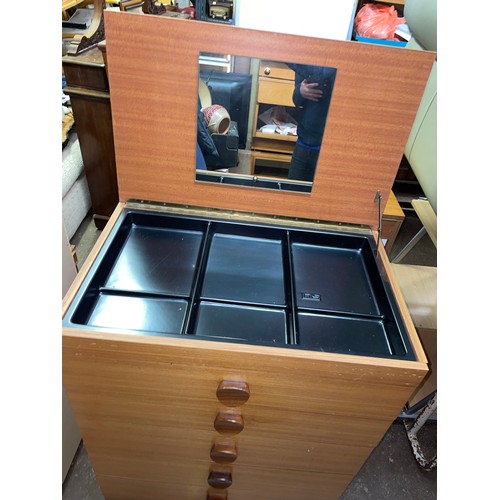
x,y
220,479
224,452
228,422
233,392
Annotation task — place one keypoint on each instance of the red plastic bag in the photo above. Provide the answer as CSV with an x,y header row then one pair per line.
x,y
376,20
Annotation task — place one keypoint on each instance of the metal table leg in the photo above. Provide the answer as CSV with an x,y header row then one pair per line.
x,y
412,429
409,246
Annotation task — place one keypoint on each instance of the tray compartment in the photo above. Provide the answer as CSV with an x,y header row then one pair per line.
x,y
146,255
157,260
350,335
245,265
330,274
148,314
162,274
249,323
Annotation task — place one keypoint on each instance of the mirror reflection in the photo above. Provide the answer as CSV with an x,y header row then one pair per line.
x,y
260,122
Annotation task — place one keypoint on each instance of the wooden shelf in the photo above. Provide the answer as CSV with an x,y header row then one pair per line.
x,y
279,137
428,218
67,4
272,144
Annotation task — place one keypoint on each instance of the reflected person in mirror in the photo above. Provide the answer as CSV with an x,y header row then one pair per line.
x,y
311,95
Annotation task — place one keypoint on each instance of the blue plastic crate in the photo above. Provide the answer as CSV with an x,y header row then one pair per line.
x,y
379,41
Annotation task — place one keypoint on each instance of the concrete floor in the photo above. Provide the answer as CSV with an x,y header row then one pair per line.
x,y
391,472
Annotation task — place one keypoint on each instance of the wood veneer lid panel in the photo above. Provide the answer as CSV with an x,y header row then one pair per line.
x,y
153,73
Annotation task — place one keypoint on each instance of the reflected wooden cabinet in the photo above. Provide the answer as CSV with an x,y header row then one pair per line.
x,y
275,88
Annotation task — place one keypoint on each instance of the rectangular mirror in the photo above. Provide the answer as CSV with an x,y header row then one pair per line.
x,y
260,122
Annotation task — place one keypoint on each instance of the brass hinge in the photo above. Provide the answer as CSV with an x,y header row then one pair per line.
x,y
253,217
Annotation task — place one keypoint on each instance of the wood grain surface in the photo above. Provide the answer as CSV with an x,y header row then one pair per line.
x,y
146,406
154,85
147,409
419,287
428,218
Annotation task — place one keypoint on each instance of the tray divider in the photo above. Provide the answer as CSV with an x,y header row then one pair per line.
x,y
198,279
342,314
140,294
290,291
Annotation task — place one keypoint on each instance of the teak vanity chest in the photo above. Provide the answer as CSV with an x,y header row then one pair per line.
x,y
223,341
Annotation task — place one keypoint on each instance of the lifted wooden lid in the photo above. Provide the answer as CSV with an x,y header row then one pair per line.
x,y
153,75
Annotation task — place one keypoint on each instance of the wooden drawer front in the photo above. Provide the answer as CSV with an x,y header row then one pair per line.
x,y
299,455
181,480
146,408
249,483
174,487
153,451
183,376
272,484
277,92
390,230
272,69
327,427
389,226
274,143
92,77
155,439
